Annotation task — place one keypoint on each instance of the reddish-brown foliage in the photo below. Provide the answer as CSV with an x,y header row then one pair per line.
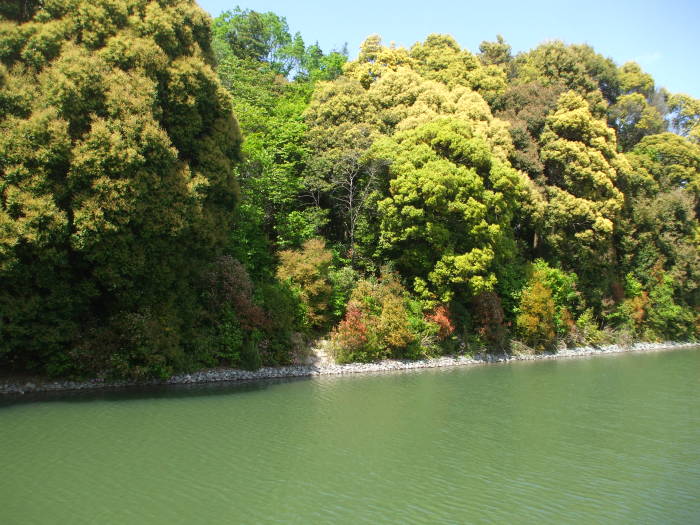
x,y
230,286
441,317
351,333
638,307
489,318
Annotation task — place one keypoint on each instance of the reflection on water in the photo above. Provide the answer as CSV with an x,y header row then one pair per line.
x,y
614,440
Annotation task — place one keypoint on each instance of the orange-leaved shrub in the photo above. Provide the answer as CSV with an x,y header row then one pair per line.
x,y
440,316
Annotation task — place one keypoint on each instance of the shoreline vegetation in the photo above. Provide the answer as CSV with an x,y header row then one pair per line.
x,y
317,369
184,193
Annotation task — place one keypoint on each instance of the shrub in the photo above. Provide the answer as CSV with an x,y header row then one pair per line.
x,y
489,320
536,314
350,340
230,287
307,272
440,316
343,282
280,340
631,314
382,321
654,313
666,318
568,301
586,330
237,319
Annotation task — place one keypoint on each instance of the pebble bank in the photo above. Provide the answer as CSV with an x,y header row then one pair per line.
x,y
231,374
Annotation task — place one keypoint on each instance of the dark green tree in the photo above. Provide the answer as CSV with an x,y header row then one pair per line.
x,y
116,183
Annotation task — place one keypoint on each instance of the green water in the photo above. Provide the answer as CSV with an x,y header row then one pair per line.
x,y
599,440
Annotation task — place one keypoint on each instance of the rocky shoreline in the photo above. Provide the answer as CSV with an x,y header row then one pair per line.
x,y
230,374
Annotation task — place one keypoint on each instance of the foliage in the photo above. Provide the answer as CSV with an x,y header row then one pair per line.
x,y
256,53
496,53
577,67
581,166
568,301
526,106
343,281
634,118
116,180
685,116
490,319
449,204
382,321
307,271
552,194
535,321
666,318
440,315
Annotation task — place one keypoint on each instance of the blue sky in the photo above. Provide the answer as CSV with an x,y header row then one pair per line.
x,y
662,36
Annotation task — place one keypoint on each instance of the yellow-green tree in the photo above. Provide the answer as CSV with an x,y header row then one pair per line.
x,y
685,115
536,313
578,67
117,144
449,207
581,166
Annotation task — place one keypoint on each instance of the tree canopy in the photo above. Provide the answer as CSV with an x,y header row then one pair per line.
x,y
179,192
117,182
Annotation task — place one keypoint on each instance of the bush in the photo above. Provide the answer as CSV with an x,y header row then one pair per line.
x,y
631,314
586,330
490,320
280,340
536,314
252,325
307,272
350,340
655,313
343,282
440,316
568,301
666,318
382,321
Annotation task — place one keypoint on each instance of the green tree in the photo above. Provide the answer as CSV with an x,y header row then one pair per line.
x,y
634,118
658,236
535,321
581,167
668,162
578,67
116,183
685,116
270,109
448,210
261,37
634,80
496,53
526,107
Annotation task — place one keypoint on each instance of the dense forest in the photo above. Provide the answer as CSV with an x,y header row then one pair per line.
x,y
178,192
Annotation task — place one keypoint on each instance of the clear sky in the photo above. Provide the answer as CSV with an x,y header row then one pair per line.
x,y
662,36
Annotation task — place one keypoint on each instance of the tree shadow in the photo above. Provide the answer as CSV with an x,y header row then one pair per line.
x,y
141,392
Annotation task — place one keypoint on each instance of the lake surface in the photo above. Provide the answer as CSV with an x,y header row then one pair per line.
x,y
612,439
